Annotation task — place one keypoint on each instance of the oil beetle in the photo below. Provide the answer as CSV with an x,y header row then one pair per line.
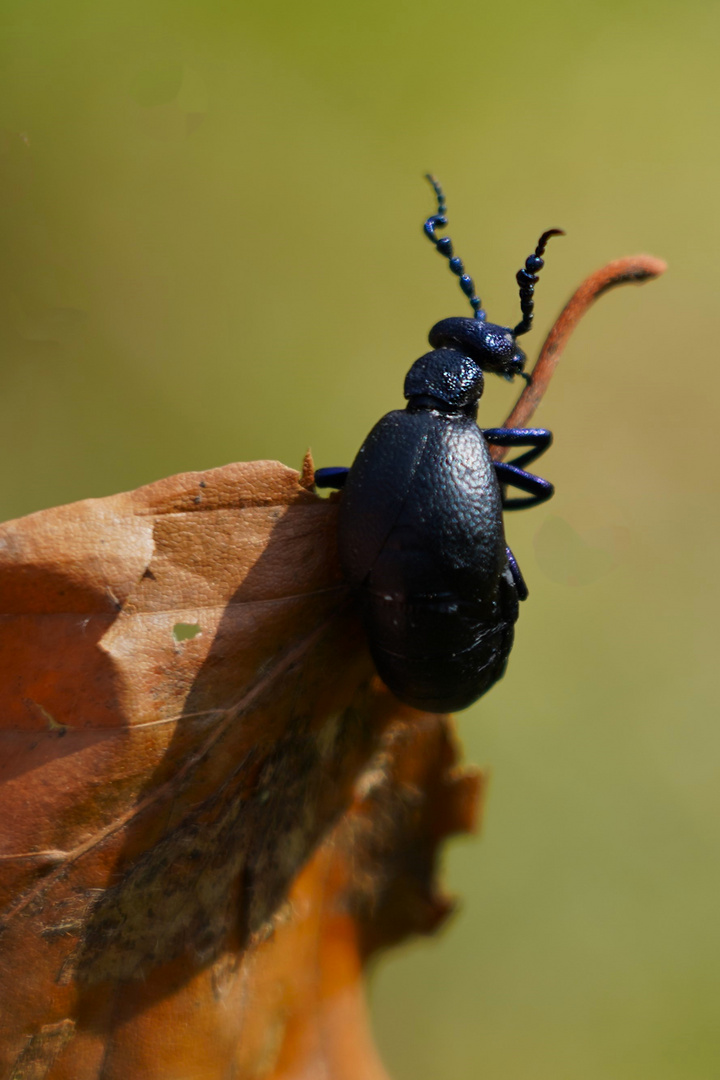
x,y
420,520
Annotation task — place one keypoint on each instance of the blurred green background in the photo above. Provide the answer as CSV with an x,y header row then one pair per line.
x,y
211,251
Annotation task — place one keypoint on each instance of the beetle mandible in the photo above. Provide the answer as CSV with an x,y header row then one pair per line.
x,y
420,519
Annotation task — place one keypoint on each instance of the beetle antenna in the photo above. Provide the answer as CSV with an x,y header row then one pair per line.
x,y
527,278
444,246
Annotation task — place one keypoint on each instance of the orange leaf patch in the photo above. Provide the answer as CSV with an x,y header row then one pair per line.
x,y
211,811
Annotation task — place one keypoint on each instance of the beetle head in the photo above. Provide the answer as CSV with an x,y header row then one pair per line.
x,y
493,348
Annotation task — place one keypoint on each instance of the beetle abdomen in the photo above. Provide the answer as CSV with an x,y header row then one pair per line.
x,y
440,654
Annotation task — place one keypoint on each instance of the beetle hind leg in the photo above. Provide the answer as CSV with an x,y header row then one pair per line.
x,y
332,477
522,589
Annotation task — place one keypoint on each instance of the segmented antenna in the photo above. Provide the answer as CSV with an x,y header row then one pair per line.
x,y
527,278
444,246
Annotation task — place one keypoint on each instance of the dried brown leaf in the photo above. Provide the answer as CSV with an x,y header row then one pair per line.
x,y
210,811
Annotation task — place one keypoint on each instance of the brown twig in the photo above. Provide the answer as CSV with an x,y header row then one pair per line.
x,y
633,268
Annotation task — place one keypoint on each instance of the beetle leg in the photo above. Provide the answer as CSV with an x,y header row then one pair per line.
x,y
537,438
522,589
538,490
332,477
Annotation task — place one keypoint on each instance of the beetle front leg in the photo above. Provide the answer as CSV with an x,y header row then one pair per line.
x,y
332,477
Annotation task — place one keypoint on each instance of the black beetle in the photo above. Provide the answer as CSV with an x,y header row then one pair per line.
x,y
420,521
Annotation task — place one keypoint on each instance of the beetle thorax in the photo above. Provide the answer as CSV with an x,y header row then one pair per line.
x,y
446,377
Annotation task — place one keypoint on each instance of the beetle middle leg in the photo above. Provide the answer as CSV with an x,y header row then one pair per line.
x,y
538,439
334,476
512,473
538,490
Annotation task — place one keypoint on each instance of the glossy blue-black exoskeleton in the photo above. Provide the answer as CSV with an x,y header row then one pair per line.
x,y
421,516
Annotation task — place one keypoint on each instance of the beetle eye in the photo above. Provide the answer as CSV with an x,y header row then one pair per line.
x,y
517,363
